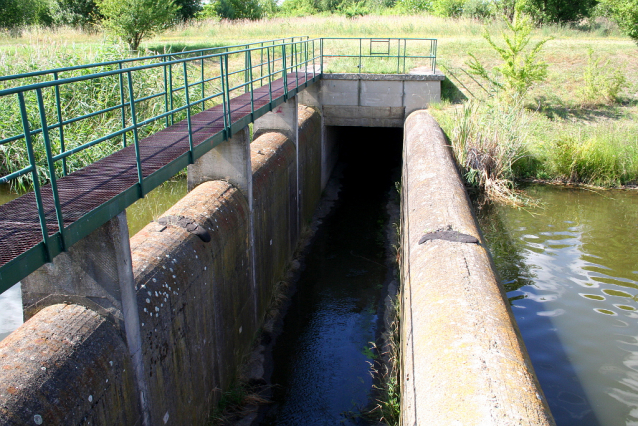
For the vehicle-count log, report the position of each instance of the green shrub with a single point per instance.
(625, 12)
(413, 6)
(16, 13)
(448, 8)
(601, 84)
(298, 8)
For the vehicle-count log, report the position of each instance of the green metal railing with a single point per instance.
(138, 97)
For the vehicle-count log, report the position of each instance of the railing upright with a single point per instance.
(51, 164)
(136, 139)
(224, 106)
(203, 89)
(123, 109)
(166, 107)
(229, 107)
(34, 176)
(285, 71)
(61, 129)
(191, 159)
(252, 92)
(270, 76)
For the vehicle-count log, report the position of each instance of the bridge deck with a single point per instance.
(93, 187)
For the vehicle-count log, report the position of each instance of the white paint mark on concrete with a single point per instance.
(90, 398)
(37, 419)
(166, 418)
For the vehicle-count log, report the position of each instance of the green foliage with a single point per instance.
(413, 6)
(559, 10)
(601, 86)
(448, 8)
(600, 157)
(354, 9)
(519, 70)
(298, 8)
(133, 20)
(16, 13)
(237, 9)
(187, 9)
(625, 13)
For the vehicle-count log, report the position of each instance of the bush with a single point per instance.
(413, 6)
(448, 8)
(601, 85)
(298, 8)
(625, 13)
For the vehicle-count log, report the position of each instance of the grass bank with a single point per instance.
(567, 134)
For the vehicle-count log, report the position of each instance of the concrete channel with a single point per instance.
(156, 342)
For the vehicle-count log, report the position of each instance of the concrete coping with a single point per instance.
(417, 76)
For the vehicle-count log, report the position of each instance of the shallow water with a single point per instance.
(322, 358)
(571, 273)
(139, 214)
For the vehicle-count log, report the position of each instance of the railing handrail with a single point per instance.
(141, 58)
(299, 56)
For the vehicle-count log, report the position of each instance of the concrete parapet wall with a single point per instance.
(463, 360)
(67, 365)
(274, 209)
(195, 301)
(309, 123)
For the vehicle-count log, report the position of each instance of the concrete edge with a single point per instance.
(385, 77)
(463, 359)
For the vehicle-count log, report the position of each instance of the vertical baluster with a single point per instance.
(60, 128)
(122, 103)
(170, 88)
(225, 107)
(270, 77)
(51, 164)
(166, 108)
(230, 117)
(203, 78)
(285, 70)
(188, 116)
(138, 159)
(34, 176)
(251, 88)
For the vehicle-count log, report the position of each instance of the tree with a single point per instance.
(625, 13)
(15, 13)
(133, 20)
(558, 11)
(77, 12)
(520, 69)
(187, 9)
(237, 9)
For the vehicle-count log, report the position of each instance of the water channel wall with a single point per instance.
(203, 274)
(463, 359)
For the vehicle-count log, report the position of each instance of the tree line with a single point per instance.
(135, 19)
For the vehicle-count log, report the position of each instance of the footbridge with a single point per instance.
(151, 330)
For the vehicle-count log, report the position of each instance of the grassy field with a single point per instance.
(568, 132)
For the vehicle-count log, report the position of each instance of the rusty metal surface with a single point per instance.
(84, 190)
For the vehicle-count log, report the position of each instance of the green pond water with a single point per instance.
(570, 269)
(138, 215)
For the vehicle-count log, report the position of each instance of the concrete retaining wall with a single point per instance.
(199, 306)
(463, 360)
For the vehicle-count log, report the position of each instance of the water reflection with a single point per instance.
(578, 308)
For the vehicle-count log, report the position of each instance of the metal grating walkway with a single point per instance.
(103, 189)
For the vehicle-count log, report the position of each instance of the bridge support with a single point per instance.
(230, 161)
(283, 119)
(95, 273)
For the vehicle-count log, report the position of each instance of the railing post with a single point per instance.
(321, 53)
(270, 77)
(230, 117)
(138, 160)
(224, 105)
(188, 115)
(61, 128)
(165, 90)
(285, 70)
(51, 164)
(203, 89)
(122, 98)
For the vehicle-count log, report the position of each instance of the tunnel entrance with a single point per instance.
(322, 358)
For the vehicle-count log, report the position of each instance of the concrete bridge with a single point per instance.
(151, 330)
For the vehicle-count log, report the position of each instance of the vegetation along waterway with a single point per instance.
(322, 359)
(570, 269)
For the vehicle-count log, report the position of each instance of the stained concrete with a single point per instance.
(67, 366)
(463, 359)
(196, 303)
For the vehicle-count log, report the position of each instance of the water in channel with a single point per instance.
(322, 358)
(570, 270)
(138, 215)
